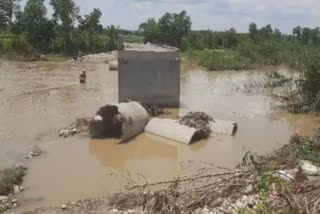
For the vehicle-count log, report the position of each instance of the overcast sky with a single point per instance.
(209, 14)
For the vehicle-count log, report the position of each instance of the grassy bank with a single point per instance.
(247, 56)
(16, 48)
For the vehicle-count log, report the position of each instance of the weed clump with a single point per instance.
(10, 177)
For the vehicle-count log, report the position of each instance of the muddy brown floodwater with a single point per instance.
(37, 99)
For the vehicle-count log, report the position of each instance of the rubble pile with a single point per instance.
(35, 152)
(7, 203)
(101, 57)
(198, 120)
(81, 125)
(153, 110)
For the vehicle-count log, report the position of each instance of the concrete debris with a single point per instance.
(63, 206)
(35, 152)
(7, 203)
(101, 57)
(113, 65)
(223, 127)
(16, 189)
(309, 169)
(200, 121)
(34, 66)
(81, 125)
(123, 120)
(153, 110)
(171, 129)
(286, 175)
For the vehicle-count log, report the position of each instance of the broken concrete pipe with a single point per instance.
(123, 121)
(171, 129)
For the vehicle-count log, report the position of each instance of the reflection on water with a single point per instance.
(141, 148)
(36, 101)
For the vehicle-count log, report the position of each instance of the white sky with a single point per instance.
(208, 14)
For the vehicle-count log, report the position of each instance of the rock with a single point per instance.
(3, 198)
(14, 201)
(285, 175)
(98, 118)
(63, 206)
(36, 151)
(114, 211)
(309, 169)
(21, 188)
(251, 201)
(249, 189)
(16, 189)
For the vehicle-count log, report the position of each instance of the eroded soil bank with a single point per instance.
(38, 99)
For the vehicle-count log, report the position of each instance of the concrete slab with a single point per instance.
(224, 127)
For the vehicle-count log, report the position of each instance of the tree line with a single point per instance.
(66, 32)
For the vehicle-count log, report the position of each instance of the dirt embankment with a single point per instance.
(286, 181)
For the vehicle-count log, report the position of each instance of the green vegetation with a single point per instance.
(28, 32)
(10, 177)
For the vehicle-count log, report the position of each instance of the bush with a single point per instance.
(15, 47)
(10, 177)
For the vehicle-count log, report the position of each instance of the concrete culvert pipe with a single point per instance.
(172, 130)
(123, 121)
(113, 65)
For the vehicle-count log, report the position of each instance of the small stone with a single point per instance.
(36, 151)
(287, 176)
(251, 201)
(14, 200)
(239, 204)
(309, 169)
(98, 118)
(73, 203)
(114, 211)
(3, 198)
(14, 205)
(21, 188)
(16, 189)
(63, 206)
(249, 189)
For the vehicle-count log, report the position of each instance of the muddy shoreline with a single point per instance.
(285, 181)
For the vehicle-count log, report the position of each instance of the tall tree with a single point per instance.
(64, 16)
(230, 39)
(266, 31)
(65, 12)
(91, 22)
(170, 29)
(37, 28)
(253, 32)
(8, 8)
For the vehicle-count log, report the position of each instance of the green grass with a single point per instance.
(218, 60)
(309, 152)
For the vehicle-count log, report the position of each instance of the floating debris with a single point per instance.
(81, 125)
(200, 121)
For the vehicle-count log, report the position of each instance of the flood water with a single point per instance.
(38, 99)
